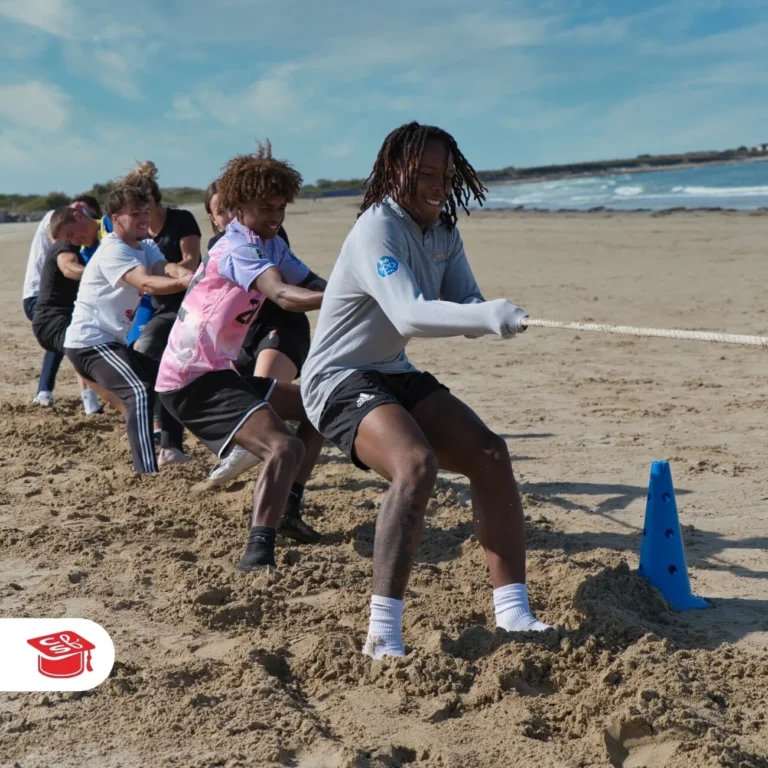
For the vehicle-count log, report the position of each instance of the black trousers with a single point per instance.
(131, 377)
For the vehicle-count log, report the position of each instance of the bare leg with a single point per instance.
(464, 444)
(286, 400)
(281, 452)
(391, 443)
(103, 393)
(273, 364)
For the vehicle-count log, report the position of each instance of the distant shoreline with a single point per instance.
(616, 170)
(567, 172)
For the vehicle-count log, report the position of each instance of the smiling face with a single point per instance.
(131, 222)
(264, 216)
(80, 232)
(433, 184)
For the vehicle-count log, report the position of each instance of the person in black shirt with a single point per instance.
(59, 281)
(177, 235)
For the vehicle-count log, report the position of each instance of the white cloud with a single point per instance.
(36, 105)
(51, 16)
(339, 149)
(184, 108)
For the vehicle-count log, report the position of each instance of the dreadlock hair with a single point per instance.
(144, 176)
(396, 168)
(259, 175)
(124, 195)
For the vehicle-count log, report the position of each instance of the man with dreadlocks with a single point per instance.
(240, 418)
(402, 272)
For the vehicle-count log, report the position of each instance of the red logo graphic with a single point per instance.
(64, 654)
(130, 314)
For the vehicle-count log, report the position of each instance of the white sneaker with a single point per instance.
(91, 402)
(170, 456)
(235, 464)
(46, 399)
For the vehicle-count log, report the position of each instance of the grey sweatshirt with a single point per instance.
(392, 282)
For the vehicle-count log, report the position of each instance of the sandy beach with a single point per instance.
(215, 668)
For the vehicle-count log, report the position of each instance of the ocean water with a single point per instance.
(742, 186)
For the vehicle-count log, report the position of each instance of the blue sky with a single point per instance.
(87, 86)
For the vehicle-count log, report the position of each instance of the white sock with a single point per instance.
(385, 629)
(90, 401)
(512, 610)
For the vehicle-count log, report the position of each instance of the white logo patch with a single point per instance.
(363, 399)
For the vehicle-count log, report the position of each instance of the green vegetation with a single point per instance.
(22, 204)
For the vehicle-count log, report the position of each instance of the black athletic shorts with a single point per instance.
(292, 340)
(360, 393)
(214, 406)
(50, 334)
(154, 335)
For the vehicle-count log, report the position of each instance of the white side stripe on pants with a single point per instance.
(142, 410)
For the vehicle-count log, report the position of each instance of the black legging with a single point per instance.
(151, 344)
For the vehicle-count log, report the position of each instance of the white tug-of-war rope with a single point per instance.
(665, 333)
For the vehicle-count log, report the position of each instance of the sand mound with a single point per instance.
(219, 669)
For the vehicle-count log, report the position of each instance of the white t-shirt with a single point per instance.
(106, 304)
(40, 245)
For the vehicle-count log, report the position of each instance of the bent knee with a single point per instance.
(489, 455)
(495, 447)
(417, 470)
(287, 448)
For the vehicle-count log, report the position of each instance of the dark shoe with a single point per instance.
(292, 525)
(259, 551)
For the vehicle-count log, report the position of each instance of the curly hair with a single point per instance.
(144, 176)
(259, 175)
(396, 168)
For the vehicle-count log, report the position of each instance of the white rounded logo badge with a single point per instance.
(54, 654)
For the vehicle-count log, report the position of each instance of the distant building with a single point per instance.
(760, 148)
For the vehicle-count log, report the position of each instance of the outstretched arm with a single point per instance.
(166, 269)
(459, 284)
(392, 284)
(289, 297)
(157, 284)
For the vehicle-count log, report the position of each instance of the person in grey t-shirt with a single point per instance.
(402, 272)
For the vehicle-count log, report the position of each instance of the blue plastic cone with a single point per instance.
(662, 558)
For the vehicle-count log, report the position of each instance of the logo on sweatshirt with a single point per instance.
(387, 265)
(256, 252)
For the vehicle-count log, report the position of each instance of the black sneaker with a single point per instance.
(292, 525)
(259, 551)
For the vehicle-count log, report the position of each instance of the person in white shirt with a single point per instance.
(125, 266)
(84, 206)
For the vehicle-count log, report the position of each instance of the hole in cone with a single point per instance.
(672, 569)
